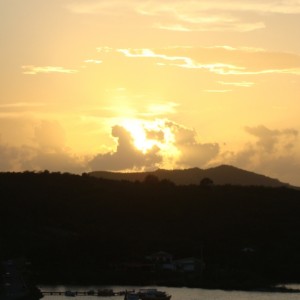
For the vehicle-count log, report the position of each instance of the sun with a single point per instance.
(138, 130)
(149, 134)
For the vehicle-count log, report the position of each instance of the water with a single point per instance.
(177, 294)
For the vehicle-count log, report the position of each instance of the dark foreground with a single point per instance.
(83, 230)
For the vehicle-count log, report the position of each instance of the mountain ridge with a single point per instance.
(220, 175)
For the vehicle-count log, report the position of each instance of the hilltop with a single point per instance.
(221, 175)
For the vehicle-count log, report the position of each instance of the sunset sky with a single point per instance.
(144, 84)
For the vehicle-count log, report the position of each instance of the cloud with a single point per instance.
(44, 149)
(221, 60)
(158, 109)
(61, 161)
(269, 140)
(193, 153)
(49, 135)
(25, 157)
(203, 21)
(291, 71)
(217, 91)
(183, 61)
(93, 61)
(238, 84)
(175, 146)
(91, 7)
(33, 70)
(273, 153)
(207, 26)
(10, 157)
(21, 105)
(126, 156)
(19, 109)
(190, 15)
(156, 7)
(189, 7)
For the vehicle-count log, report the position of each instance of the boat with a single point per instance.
(90, 293)
(16, 283)
(153, 294)
(70, 294)
(131, 296)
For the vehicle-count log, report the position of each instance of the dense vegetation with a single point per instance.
(80, 229)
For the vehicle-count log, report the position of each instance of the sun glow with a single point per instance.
(138, 134)
(149, 134)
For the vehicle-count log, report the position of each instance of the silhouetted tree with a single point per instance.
(167, 182)
(206, 182)
(151, 179)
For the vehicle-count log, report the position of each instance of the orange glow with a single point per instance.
(184, 78)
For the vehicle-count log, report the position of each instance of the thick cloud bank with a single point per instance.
(190, 153)
(273, 153)
(193, 153)
(46, 150)
(126, 155)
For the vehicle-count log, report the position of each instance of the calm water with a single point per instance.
(177, 294)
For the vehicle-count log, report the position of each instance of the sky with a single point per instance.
(138, 85)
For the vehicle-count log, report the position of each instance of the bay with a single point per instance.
(177, 293)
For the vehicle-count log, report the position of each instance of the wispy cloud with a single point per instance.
(193, 7)
(207, 26)
(21, 105)
(159, 109)
(93, 61)
(191, 15)
(220, 60)
(238, 84)
(178, 20)
(154, 7)
(291, 71)
(33, 70)
(217, 91)
(183, 61)
(111, 7)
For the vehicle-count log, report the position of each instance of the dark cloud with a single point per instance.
(126, 155)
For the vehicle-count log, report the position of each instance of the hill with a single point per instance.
(85, 230)
(221, 175)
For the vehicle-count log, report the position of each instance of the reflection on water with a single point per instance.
(177, 293)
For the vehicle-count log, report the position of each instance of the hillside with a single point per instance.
(84, 230)
(220, 175)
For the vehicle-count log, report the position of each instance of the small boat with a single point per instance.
(153, 294)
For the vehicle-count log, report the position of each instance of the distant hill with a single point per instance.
(220, 175)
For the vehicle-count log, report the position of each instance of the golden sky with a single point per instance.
(146, 84)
